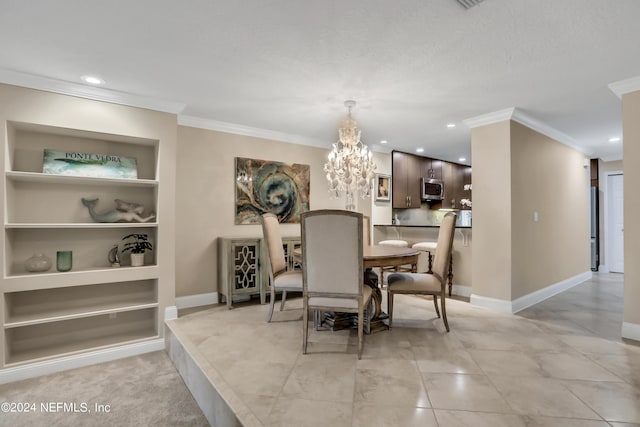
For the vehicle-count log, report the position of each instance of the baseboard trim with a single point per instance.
(495, 304)
(461, 290)
(528, 300)
(37, 369)
(197, 300)
(170, 312)
(540, 295)
(631, 331)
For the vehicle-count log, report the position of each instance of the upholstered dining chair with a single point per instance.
(366, 230)
(332, 267)
(424, 283)
(280, 279)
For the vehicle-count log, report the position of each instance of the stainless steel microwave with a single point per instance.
(431, 189)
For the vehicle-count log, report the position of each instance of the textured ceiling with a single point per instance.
(284, 65)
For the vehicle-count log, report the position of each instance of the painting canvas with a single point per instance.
(264, 186)
(89, 164)
(383, 187)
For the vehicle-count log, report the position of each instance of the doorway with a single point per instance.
(614, 223)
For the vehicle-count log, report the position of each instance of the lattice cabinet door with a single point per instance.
(239, 267)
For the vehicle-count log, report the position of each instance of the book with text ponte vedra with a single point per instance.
(89, 164)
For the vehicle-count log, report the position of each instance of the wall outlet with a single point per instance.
(535, 216)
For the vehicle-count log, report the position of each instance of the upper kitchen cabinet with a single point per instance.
(406, 170)
(455, 177)
(466, 180)
(431, 168)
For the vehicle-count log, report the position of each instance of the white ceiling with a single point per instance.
(287, 66)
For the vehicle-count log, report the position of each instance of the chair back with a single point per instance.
(332, 253)
(445, 245)
(366, 231)
(275, 251)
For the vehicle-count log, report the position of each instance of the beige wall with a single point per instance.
(491, 245)
(549, 178)
(206, 193)
(603, 168)
(631, 155)
(516, 172)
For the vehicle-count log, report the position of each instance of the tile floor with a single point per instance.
(559, 363)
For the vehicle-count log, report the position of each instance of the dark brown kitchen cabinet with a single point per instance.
(431, 168)
(466, 180)
(406, 171)
(454, 177)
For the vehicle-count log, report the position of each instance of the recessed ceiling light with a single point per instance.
(419, 150)
(462, 159)
(383, 141)
(92, 80)
(451, 125)
(614, 139)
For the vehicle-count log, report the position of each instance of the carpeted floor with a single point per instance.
(143, 390)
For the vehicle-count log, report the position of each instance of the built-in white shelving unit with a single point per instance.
(94, 306)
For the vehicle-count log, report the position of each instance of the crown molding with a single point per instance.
(489, 118)
(545, 129)
(625, 86)
(89, 92)
(517, 115)
(201, 123)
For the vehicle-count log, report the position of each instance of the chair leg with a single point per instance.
(305, 325)
(450, 275)
(284, 297)
(390, 306)
(360, 329)
(272, 302)
(435, 304)
(444, 311)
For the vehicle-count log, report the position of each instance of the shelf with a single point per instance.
(55, 339)
(86, 345)
(81, 347)
(97, 310)
(32, 307)
(69, 179)
(49, 315)
(92, 276)
(81, 225)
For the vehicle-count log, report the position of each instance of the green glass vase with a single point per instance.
(64, 260)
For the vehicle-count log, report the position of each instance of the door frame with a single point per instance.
(607, 235)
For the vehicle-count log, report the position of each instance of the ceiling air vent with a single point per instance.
(467, 4)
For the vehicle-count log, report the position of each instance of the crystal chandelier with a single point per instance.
(350, 167)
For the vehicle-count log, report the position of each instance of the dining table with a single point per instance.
(373, 256)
